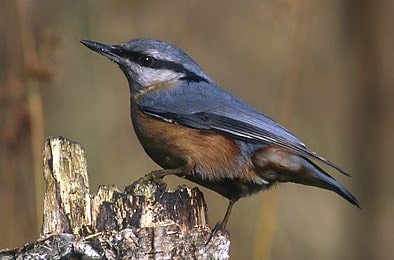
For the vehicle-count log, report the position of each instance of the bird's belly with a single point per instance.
(211, 155)
(232, 189)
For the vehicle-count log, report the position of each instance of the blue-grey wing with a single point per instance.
(206, 106)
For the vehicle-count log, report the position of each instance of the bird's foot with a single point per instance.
(149, 178)
(216, 228)
(154, 177)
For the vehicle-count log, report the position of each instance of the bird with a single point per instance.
(193, 128)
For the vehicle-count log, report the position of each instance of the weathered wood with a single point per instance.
(146, 221)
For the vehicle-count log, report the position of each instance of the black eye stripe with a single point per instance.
(142, 59)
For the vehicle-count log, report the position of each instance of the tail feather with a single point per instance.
(319, 178)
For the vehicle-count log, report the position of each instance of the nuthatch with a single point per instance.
(193, 128)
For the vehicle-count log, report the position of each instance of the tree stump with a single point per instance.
(146, 221)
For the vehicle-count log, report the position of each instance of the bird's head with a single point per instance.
(147, 62)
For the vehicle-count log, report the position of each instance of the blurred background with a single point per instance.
(324, 69)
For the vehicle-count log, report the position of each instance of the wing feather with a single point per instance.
(238, 130)
(207, 106)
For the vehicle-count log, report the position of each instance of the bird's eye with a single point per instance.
(146, 60)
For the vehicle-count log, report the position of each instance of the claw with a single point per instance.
(221, 225)
(217, 227)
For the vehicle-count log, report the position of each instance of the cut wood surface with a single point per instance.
(146, 221)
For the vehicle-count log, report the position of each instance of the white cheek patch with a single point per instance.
(150, 76)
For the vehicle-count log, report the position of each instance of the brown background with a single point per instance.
(324, 69)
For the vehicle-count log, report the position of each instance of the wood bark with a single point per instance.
(146, 221)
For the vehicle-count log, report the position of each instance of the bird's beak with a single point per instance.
(110, 51)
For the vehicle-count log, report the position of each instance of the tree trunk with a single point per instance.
(146, 221)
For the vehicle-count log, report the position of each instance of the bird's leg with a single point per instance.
(221, 225)
(154, 175)
(159, 174)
